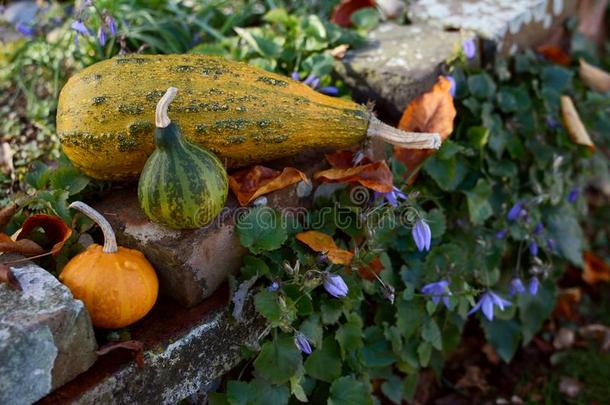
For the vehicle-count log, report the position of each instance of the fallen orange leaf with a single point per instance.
(595, 270)
(371, 269)
(576, 129)
(376, 176)
(430, 112)
(323, 243)
(251, 183)
(555, 54)
(55, 230)
(566, 303)
(342, 15)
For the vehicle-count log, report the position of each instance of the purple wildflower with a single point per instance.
(314, 82)
(516, 287)
(391, 197)
(335, 286)
(550, 243)
(111, 24)
(515, 211)
(438, 290)
(538, 228)
(273, 286)
(552, 122)
(533, 248)
(301, 342)
(533, 286)
(486, 303)
(329, 90)
(470, 48)
(452, 86)
(421, 235)
(501, 234)
(573, 195)
(80, 28)
(25, 30)
(101, 36)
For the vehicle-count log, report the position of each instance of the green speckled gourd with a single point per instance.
(241, 113)
(182, 185)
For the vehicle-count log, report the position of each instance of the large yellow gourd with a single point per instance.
(105, 117)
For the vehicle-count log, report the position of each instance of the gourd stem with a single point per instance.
(109, 237)
(408, 140)
(161, 118)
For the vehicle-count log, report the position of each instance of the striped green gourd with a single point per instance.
(182, 185)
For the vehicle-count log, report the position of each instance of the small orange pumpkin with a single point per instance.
(117, 285)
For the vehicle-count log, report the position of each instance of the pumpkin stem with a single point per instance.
(109, 237)
(408, 140)
(161, 118)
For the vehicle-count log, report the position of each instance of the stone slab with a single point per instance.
(510, 24)
(185, 351)
(46, 337)
(191, 264)
(398, 64)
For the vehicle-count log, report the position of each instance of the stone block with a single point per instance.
(185, 352)
(398, 64)
(510, 24)
(192, 264)
(46, 337)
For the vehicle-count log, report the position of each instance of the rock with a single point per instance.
(191, 264)
(46, 337)
(185, 352)
(398, 64)
(511, 25)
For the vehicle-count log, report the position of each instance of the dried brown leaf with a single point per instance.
(7, 276)
(431, 112)
(24, 247)
(56, 231)
(6, 214)
(594, 77)
(249, 184)
(576, 129)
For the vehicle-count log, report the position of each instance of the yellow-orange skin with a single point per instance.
(117, 289)
(245, 115)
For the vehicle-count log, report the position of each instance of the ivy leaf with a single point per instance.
(503, 335)
(69, 178)
(377, 351)
(447, 173)
(563, 227)
(324, 364)
(392, 388)
(481, 86)
(260, 229)
(424, 352)
(278, 360)
(349, 391)
(331, 310)
(266, 303)
(238, 392)
(534, 310)
(479, 207)
(312, 328)
(431, 333)
(349, 335)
